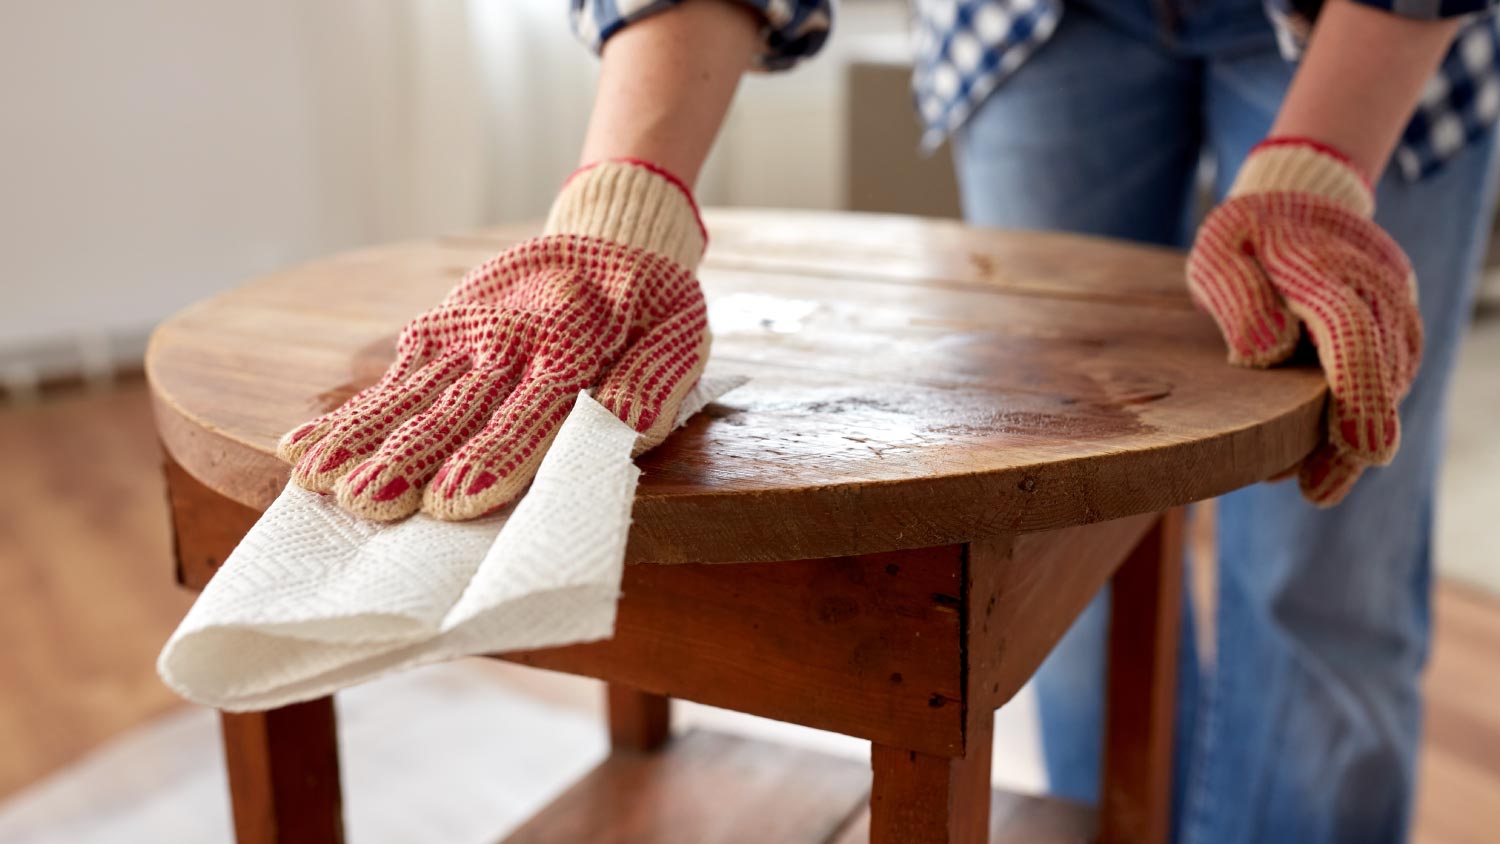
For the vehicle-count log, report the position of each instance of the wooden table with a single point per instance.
(952, 439)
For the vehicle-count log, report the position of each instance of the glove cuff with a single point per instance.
(633, 202)
(1302, 165)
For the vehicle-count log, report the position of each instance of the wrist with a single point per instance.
(633, 202)
(1284, 164)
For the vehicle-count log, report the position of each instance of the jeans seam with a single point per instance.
(1197, 803)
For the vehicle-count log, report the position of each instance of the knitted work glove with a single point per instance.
(606, 299)
(1294, 247)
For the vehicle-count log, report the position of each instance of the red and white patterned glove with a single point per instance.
(605, 299)
(1293, 247)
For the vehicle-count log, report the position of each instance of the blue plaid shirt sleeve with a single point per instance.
(964, 49)
(794, 30)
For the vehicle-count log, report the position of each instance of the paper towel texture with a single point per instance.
(315, 599)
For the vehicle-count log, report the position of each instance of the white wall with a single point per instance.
(156, 151)
(152, 152)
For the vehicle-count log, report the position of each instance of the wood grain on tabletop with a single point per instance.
(914, 383)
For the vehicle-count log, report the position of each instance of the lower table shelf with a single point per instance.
(711, 788)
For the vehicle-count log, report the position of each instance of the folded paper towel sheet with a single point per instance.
(314, 599)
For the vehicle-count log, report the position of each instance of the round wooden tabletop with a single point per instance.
(913, 383)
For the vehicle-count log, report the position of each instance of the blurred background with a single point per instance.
(158, 152)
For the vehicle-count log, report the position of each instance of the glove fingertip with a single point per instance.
(1374, 437)
(296, 442)
(379, 492)
(484, 494)
(1264, 352)
(1256, 325)
(1328, 475)
(463, 490)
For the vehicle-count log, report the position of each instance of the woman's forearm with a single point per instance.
(666, 83)
(1360, 80)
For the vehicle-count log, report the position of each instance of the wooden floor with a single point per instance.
(1458, 798)
(86, 601)
(86, 592)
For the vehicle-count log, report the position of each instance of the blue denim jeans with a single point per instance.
(1305, 726)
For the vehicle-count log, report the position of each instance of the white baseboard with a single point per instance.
(91, 358)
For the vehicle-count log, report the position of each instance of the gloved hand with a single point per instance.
(1293, 247)
(606, 299)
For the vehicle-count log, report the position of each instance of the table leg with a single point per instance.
(284, 774)
(1145, 606)
(638, 721)
(918, 798)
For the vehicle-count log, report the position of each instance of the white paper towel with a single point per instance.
(314, 599)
